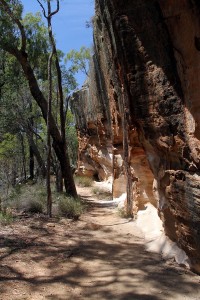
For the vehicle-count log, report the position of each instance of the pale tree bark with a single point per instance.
(48, 179)
(49, 194)
(31, 152)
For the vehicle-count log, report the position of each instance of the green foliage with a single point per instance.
(31, 198)
(37, 43)
(83, 181)
(79, 60)
(20, 116)
(15, 192)
(8, 146)
(70, 207)
(22, 124)
(28, 197)
(9, 31)
(68, 80)
(6, 218)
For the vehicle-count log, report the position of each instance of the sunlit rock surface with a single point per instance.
(138, 118)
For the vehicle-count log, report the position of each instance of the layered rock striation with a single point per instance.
(139, 117)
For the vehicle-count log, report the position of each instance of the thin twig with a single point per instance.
(43, 9)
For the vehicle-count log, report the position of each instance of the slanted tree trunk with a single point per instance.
(58, 144)
(59, 180)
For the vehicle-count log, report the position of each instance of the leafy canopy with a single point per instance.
(79, 60)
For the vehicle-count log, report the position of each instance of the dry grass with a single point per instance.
(70, 207)
(83, 181)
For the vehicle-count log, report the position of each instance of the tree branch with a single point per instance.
(43, 9)
(55, 11)
(50, 14)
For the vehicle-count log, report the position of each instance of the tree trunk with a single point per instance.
(68, 177)
(58, 145)
(31, 162)
(23, 156)
(59, 180)
(31, 152)
(38, 157)
(49, 196)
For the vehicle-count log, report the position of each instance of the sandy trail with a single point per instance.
(101, 256)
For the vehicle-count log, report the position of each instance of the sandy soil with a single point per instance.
(101, 256)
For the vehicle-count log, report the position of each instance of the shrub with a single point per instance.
(5, 218)
(32, 198)
(83, 181)
(70, 207)
(123, 213)
(34, 206)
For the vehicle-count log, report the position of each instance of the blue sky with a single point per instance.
(69, 25)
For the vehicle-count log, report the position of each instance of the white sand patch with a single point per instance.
(120, 201)
(150, 224)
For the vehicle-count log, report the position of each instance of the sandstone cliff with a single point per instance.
(139, 117)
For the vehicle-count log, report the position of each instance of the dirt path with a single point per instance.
(101, 256)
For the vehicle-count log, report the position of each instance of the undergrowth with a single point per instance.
(28, 198)
(32, 198)
(5, 218)
(70, 207)
(123, 213)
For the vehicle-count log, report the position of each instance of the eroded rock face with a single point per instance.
(95, 148)
(146, 99)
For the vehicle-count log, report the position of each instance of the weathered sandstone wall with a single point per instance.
(145, 118)
(92, 123)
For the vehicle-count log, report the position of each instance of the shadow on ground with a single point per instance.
(66, 261)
